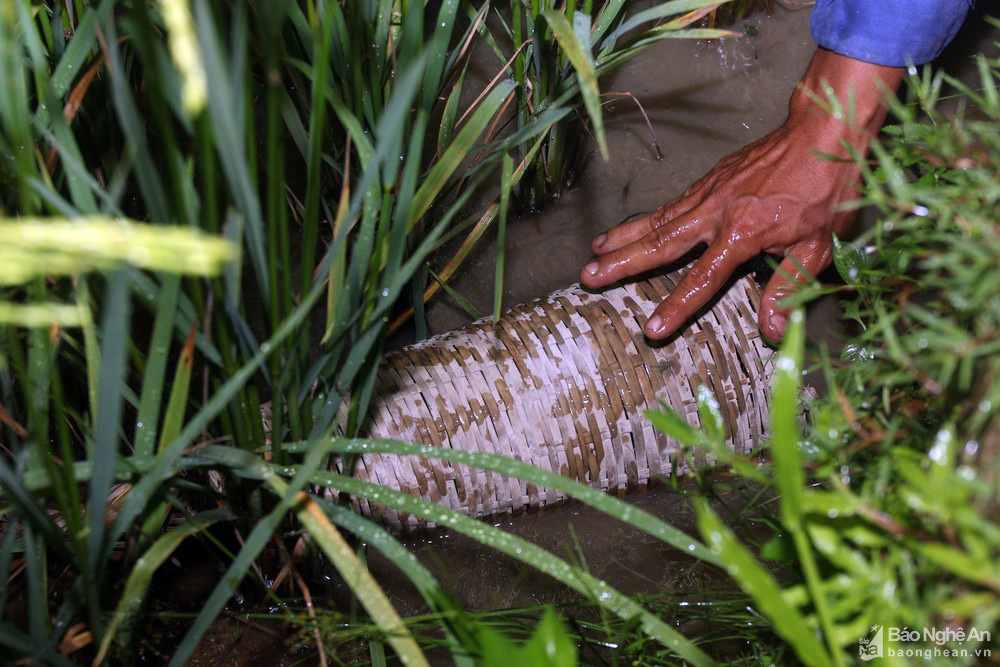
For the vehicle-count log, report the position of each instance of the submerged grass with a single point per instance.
(736, 633)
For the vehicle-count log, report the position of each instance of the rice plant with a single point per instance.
(214, 207)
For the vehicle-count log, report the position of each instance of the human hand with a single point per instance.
(775, 195)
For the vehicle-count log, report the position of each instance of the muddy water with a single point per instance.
(628, 559)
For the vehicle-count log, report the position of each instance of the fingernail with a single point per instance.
(600, 239)
(654, 324)
(778, 324)
(591, 268)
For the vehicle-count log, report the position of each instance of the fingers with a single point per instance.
(631, 231)
(803, 262)
(660, 246)
(698, 286)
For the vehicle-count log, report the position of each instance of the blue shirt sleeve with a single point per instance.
(888, 32)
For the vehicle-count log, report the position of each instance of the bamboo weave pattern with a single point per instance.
(561, 383)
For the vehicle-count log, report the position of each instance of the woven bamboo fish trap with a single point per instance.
(561, 382)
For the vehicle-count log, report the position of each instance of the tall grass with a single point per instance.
(217, 206)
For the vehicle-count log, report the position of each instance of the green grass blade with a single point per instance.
(613, 507)
(784, 422)
(506, 181)
(173, 418)
(156, 365)
(757, 583)
(569, 38)
(437, 50)
(83, 188)
(36, 584)
(693, 33)
(528, 553)
(672, 424)
(317, 130)
(91, 345)
(139, 579)
(380, 43)
(789, 473)
(975, 568)
(404, 191)
(475, 23)
(133, 126)
(450, 111)
(354, 573)
(607, 16)
(114, 327)
(7, 544)
(462, 302)
(671, 8)
(229, 129)
(710, 416)
(468, 136)
(609, 59)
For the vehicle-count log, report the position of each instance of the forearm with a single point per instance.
(845, 77)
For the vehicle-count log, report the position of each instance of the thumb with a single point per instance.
(803, 262)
